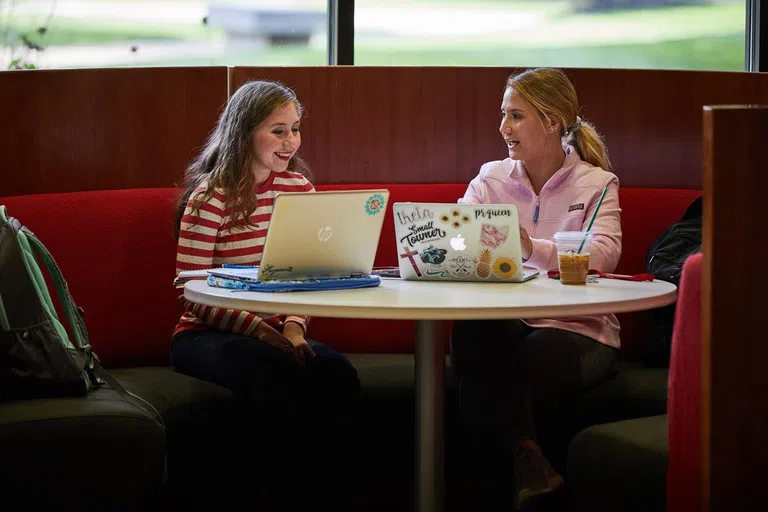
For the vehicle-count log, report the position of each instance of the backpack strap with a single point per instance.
(38, 281)
(79, 332)
(127, 395)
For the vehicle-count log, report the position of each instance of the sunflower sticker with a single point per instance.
(504, 268)
(374, 204)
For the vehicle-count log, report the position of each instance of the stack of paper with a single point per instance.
(189, 275)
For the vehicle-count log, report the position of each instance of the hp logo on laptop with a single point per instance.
(324, 234)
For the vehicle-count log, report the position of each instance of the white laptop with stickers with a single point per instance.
(459, 242)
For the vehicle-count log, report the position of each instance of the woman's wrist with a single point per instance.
(293, 328)
(526, 250)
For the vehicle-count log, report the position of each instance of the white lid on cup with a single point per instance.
(570, 236)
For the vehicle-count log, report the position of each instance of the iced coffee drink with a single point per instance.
(573, 256)
(573, 267)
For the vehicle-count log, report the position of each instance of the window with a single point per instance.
(678, 34)
(107, 33)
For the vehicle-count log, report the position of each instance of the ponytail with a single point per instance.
(589, 145)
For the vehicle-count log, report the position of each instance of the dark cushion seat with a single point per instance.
(98, 447)
(619, 466)
(200, 419)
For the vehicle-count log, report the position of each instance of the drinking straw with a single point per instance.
(592, 220)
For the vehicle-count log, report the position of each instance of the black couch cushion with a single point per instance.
(619, 466)
(98, 447)
(201, 421)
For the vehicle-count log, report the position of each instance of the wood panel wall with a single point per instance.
(424, 124)
(735, 343)
(65, 130)
(97, 129)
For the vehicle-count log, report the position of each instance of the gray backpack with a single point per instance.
(38, 358)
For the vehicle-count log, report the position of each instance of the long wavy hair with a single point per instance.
(224, 161)
(552, 94)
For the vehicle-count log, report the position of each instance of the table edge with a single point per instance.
(431, 313)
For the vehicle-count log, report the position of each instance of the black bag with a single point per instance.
(665, 260)
(39, 357)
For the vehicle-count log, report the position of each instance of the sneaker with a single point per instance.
(534, 475)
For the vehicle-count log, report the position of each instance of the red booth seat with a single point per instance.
(117, 251)
(684, 398)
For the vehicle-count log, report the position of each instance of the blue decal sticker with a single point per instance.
(374, 204)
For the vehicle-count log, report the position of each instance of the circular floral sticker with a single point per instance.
(504, 268)
(374, 204)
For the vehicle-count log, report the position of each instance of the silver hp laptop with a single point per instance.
(459, 242)
(327, 234)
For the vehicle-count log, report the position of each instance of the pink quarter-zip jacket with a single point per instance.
(565, 203)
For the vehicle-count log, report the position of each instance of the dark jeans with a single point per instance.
(512, 376)
(298, 424)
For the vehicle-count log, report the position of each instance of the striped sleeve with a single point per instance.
(302, 320)
(197, 240)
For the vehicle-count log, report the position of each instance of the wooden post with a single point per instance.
(735, 281)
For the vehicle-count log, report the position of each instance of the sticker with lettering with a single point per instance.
(375, 204)
(504, 268)
(455, 218)
(490, 213)
(433, 255)
(270, 270)
(437, 273)
(460, 266)
(493, 236)
(417, 215)
(424, 233)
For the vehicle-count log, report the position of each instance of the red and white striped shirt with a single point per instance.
(206, 241)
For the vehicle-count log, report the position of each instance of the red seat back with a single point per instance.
(684, 398)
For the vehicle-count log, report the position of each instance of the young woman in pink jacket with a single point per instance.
(514, 374)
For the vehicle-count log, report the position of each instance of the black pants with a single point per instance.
(512, 376)
(298, 426)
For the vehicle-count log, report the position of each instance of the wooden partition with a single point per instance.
(92, 129)
(427, 124)
(735, 350)
(97, 129)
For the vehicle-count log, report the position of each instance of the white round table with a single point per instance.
(429, 302)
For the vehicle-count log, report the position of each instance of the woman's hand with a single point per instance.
(268, 334)
(302, 350)
(526, 246)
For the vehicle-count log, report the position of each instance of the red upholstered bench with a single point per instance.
(685, 415)
(116, 249)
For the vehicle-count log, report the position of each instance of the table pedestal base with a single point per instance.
(430, 413)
